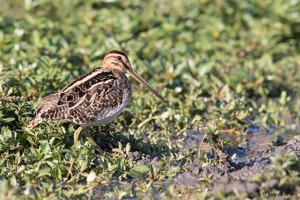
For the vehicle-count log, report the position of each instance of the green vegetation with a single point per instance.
(222, 65)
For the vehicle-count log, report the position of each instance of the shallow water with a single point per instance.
(258, 140)
(254, 140)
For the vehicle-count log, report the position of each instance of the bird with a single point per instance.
(94, 99)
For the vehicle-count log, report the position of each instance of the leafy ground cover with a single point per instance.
(224, 66)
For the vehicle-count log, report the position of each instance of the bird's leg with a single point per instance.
(77, 133)
(91, 140)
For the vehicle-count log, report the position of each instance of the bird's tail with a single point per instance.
(34, 123)
(44, 105)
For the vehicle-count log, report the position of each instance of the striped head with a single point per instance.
(118, 60)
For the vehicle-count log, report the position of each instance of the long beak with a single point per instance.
(142, 81)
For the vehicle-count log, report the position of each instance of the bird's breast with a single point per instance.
(120, 94)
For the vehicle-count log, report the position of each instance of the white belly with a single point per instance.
(101, 119)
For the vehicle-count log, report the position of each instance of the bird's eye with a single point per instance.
(119, 58)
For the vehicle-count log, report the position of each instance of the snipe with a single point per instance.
(94, 99)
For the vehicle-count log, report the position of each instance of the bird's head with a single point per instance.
(118, 60)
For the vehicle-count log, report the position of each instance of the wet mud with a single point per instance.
(232, 176)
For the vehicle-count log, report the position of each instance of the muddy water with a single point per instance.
(253, 141)
(257, 140)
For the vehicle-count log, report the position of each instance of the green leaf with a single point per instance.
(10, 119)
(141, 168)
(140, 176)
(44, 171)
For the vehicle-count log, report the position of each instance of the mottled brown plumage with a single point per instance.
(94, 99)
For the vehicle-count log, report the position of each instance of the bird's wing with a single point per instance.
(94, 94)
